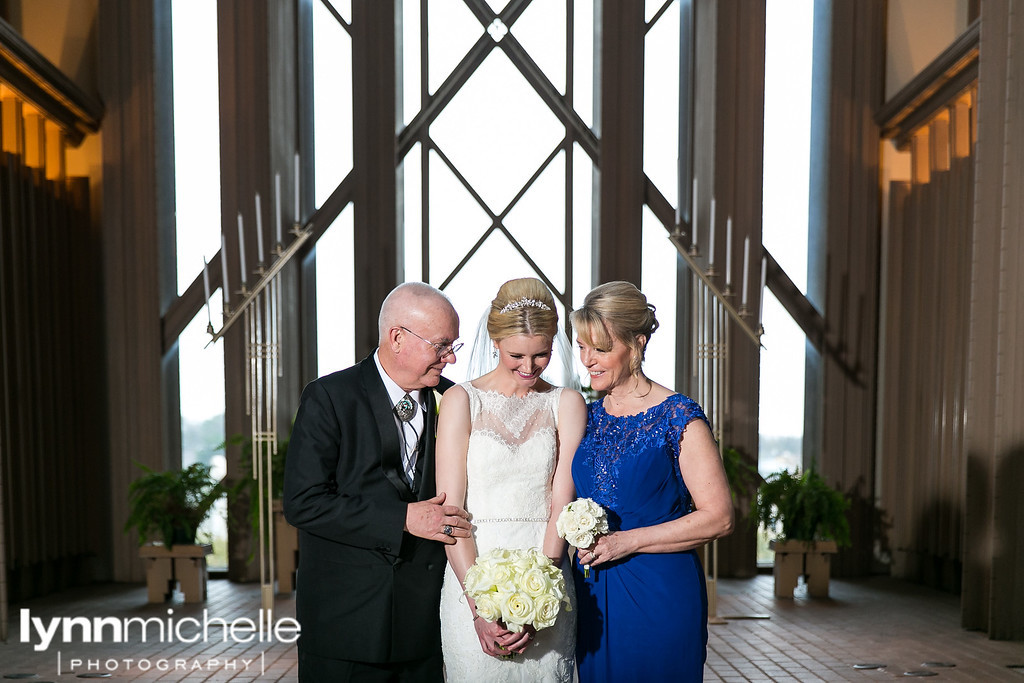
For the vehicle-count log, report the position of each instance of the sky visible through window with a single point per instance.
(786, 167)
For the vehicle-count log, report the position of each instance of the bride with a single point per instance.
(505, 443)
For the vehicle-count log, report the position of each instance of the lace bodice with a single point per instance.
(612, 442)
(510, 464)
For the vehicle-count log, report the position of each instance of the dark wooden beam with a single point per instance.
(374, 156)
(620, 128)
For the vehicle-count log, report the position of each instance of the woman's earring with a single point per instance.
(494, 352)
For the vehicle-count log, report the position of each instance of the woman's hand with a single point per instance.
(498, 641)
(607, 548)
(520, 641)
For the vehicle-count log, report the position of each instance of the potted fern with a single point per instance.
(811, 518)
(169, 506)
(166, 510)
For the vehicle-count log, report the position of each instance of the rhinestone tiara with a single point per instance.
(524, 303)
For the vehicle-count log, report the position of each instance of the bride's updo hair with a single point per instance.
(523, 306)
(616, 310)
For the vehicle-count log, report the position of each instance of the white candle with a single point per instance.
(241, 248)
(296, 187)
(224, 269)
(206, 281)
(693, 217)
(711, 237)
(764, 279)
(746, 267)
(728, 251)
(259, 230)
(277, 205)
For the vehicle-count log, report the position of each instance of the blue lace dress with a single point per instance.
(642, 618)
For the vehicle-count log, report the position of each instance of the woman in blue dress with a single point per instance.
(649, 458)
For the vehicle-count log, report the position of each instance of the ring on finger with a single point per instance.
(447, 530)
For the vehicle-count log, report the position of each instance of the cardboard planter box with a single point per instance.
(181, 564)
(794, 559)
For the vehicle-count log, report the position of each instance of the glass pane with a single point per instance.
(456, 221)
(658, 283)
(411, 177)
(410, 86)
(661, 104)
(582, 224)
(335, 300)
(332, 103)
(451, 31)
(475, 286)
(583, 61)
(538, 222)
(497, 6)
(201, 383)
(196, 136)
(497, 131)
(781, 423)
(787, 126)
(541, 31)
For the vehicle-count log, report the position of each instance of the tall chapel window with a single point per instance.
(787, 108)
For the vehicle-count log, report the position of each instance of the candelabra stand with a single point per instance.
(260, 310)
(712, 317)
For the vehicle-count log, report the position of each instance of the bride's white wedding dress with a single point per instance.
(511, 459)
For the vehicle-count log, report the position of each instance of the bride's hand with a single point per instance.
(521, 640)
(494, 637)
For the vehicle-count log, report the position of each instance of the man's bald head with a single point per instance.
(416, 320)
(410, 299)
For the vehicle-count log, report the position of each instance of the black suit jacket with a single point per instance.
(365, 590)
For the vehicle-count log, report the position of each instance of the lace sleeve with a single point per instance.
(681, 413)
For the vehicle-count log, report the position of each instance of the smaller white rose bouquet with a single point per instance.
(580, 523)
(519, 587)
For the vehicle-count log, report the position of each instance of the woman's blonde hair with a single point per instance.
(522, 306)
(616, 310)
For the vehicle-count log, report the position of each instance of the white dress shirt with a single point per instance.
(409, 432)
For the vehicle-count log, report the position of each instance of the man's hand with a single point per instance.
(435, 521)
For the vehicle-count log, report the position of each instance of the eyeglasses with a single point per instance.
(442, 350)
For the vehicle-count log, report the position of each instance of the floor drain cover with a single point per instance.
(869, 666)
(920, 673)
(21, 675)
(938, 665)
(100, 675)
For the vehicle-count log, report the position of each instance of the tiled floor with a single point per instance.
(872, 621)
(879, 620)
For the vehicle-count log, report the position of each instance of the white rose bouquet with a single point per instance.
(519, 587)
(580, 523)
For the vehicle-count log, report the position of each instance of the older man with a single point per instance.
(359, 486)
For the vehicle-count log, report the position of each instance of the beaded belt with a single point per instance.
(511, 519)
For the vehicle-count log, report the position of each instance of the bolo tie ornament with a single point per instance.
(405, 408)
